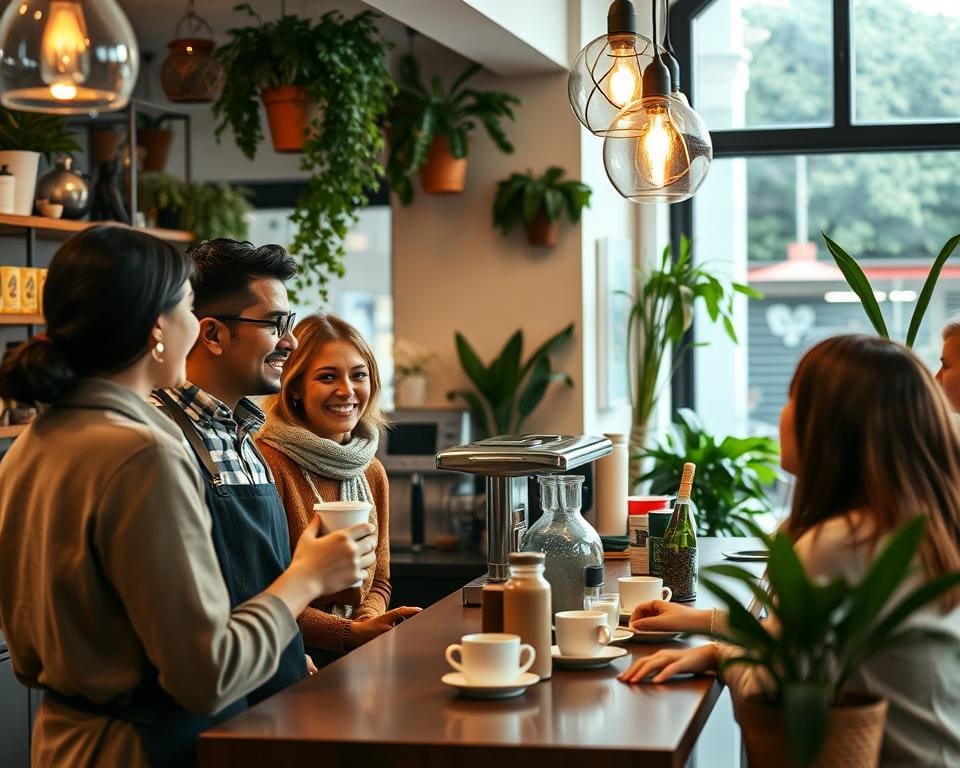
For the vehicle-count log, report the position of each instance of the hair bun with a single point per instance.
(36, 371)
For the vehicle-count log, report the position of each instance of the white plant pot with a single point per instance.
(410, 392)
(23, 166)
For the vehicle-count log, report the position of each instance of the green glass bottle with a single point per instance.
(679, 557)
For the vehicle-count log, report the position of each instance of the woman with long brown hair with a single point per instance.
(320, 440)
(869, 436)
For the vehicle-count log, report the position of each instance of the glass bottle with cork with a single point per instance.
(678, 556)
(526, 607)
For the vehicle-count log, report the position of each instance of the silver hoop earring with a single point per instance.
(157, 351)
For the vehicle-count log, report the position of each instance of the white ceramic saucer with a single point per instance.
(620, 634)
(458, 681)
(646, 636)
(608, 654)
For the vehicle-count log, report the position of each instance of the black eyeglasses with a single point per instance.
(281, 323)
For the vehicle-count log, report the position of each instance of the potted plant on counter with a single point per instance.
(410, 363)
(24, 136)
(806, 711)
(332, 76)
(733, 475)
(430, 128)
(539, 202)
(508, 390)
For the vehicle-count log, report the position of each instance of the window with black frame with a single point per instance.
(828, 116)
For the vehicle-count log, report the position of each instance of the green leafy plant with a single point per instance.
(343, 65)
(508, 390)
(825, 629)
(206, 210)
(658, 321)
(34, 132)
(217, 210)
(860, 285)
(522, 196)
(732, 475)
(418, 115)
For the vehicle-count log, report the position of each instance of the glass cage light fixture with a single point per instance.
(608, 72)
(66, 56)
(657, 149)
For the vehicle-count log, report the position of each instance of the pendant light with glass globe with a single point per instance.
(66, 56)
(656, 148)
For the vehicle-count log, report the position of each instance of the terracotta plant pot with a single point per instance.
(156, 147)
(288, 112)
(442, 173)
(854, 734)
(543, 232)
(103, 146)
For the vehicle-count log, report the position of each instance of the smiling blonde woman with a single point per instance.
(320, 439)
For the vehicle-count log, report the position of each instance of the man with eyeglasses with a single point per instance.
(246, 334)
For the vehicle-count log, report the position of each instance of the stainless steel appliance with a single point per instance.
(418, 492)
(506, 461)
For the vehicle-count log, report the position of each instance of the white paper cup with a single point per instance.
(490, 658)
(582, 633)
(641, 589)
(336, 515)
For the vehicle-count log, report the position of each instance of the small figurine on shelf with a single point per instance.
(107, 196)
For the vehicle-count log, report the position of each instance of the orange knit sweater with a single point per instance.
(320, 628)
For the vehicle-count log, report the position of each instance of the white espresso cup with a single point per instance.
(641, 589)
(582, 633)
(490, 658)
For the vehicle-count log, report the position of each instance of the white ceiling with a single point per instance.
(454, 24)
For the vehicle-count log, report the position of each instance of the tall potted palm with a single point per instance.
(332, 74)
(430, 129)
(658, 322)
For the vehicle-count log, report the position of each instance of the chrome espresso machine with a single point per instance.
(506, 462)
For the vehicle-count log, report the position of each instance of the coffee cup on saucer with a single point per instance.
(582, 633)
(490, 658)
(641, 589)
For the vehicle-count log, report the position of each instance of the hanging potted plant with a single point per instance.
(430, 129)
(24, 136)
(341, 66)
(539, 202)
(806, 713)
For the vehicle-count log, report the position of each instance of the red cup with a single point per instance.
(640, 505)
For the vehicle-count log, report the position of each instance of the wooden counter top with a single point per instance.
(384, 705)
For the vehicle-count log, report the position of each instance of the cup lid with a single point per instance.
(527, 558)
(593, 576)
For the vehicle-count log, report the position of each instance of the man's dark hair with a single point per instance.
(224, 268)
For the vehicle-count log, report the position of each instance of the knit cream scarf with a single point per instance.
(346, 462)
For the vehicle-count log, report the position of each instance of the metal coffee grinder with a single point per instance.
(506, 462)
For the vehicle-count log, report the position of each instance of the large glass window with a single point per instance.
(836, 116)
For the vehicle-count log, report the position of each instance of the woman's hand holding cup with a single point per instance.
(663, 616)
(337, 560)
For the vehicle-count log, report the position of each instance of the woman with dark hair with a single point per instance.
(320, 439)
(870, 440)
(111, 597)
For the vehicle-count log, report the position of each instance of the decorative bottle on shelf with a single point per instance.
(568, 541)
(678, 558)
(526, 608)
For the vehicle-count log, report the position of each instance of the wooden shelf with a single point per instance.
(6, 433)
(12, 319)
(66, 227)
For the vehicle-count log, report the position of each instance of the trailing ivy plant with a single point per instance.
(343, 65)
(419, 115)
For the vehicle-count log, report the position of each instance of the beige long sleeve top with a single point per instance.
(919, 679)
(321, 628)
(106, 563)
